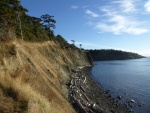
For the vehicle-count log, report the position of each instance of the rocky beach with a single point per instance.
(86, 97)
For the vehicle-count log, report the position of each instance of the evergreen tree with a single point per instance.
(48, 23)
(80, 46)
(9, 9)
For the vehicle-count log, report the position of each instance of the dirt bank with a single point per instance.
(33, 76)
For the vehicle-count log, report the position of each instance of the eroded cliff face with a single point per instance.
(33, 76)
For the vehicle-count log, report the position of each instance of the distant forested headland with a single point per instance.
(110, 54)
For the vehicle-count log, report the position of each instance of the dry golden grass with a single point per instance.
(33, 79)
(23, 92)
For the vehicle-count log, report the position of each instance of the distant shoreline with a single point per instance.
(110, 54)
(118, 59)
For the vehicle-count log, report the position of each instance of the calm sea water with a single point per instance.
(127, 78)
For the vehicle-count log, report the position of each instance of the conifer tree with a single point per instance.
(48, 23)
(9, 9)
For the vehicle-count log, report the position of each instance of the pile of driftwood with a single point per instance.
(78, 95)
(86, 97)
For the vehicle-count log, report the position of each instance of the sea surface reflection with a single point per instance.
(127, 78)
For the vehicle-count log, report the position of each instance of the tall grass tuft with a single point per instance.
(36, 103)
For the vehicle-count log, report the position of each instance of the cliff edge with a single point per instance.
(33, 76)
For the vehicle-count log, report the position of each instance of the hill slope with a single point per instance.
(112, 55)
(33, 76)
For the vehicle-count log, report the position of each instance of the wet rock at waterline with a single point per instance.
(86, 97)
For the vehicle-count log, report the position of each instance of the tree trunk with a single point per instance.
(20, 25)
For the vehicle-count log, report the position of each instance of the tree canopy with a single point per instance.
(14, 22)
(8, 17)
(48, 22)
(110, 54)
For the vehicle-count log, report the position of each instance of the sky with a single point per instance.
(99, 24)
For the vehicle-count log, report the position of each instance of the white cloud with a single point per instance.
(74, 7)
(126, 5)
(91, 13)
(147, 6)
(136, 31)
(122, 19)
(118, 24)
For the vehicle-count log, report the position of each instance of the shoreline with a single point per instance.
(86, 96)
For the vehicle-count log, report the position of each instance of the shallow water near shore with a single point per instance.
(129, 79)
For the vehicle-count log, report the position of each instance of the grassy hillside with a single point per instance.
(33, 76)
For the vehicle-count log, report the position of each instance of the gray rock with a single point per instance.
(119, 97)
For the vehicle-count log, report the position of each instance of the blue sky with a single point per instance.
(99, 24)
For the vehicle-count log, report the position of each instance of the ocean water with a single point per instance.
(127, 78)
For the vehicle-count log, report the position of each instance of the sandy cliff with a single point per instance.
(33, 76)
